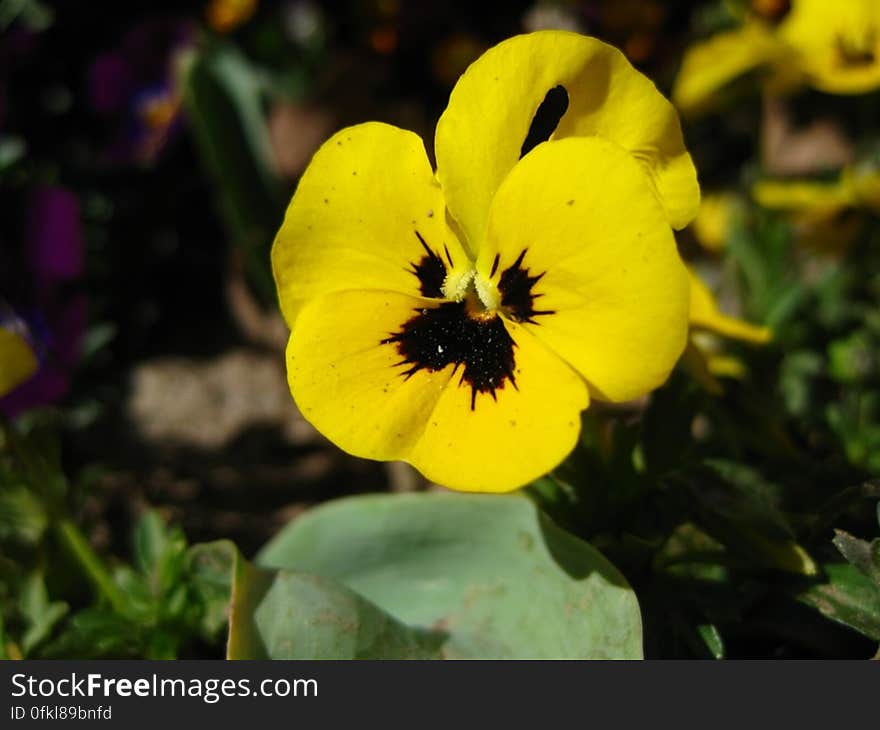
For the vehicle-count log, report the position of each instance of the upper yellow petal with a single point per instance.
(481, 133)
(613, 288)
(356, 217)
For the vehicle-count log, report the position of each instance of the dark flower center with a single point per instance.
(464, 334)
(448, 335)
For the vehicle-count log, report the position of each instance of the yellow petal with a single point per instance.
(864, 182)
(838, 43)
(715, 219)
(611, 278)
(801, 194)
(355, 220)
(17, 360)
(710, 65)
(705, 315)
(347, 380)
(481, 133)
(502, 445)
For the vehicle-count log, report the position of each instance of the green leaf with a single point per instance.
(289, 615)
(712, 638)
(223, 95)
(491, 573)
(40, 613)
(210, 567)
(865, 556)
(849, 597)
(96, 633)
(853, 358)
(23, 516)
(745, 497)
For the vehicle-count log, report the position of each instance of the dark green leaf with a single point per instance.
(849, 597)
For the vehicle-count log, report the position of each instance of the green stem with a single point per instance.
(91, 564)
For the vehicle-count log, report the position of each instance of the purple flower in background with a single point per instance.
(134, 88)
(56, 317)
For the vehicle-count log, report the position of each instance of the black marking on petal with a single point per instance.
(546, 119)
(430, 271)
(495, 265)
(517, 298)
(855, 55)
(448, 257)
(447, 335)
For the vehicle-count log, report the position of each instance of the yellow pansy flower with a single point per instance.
(461, 321)
(711, 65)
(17, 360)
(831, 46)
(837, 43)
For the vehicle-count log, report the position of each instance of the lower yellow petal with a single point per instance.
(347, 383)
(705, 315)
(612, 297)
(17, 360)
(505, 443)
(348, 379)
(802, 195)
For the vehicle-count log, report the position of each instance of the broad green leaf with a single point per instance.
(289, 615)
(491, 573)
(849, 597)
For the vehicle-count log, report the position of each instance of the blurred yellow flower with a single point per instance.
(837, 43)
(225, 16)
(17, 360)
(462, 320)
(821, 210)
(715, 218)
(831, 46)
(709, 66)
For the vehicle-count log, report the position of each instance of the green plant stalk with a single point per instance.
(78, 547)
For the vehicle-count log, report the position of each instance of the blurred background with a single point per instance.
(147, 154)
